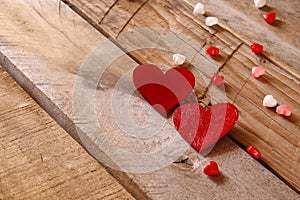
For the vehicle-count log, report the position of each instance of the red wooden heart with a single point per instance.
(201, 128)
(163, 91)
(211, 168)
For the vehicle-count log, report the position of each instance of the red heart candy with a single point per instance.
(253, 151)
(163, 91)
(211, 168)
(201, 128)
(217, 79)
(257, 48)
(212, 51)
(270, 17)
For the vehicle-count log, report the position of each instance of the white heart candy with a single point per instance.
(269, 101)
(199, 9)
(260, 3)
(210, 21)
(179, 59)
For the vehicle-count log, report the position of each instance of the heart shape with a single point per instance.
(260, 3)
(270, 17)
(253, 151)
(217, 79)
(257, 48)
(258, 71)
(199, 9)
(202, 128)
(269, 101)
(179, 59)
(284, 110)
(211, 168)
(163, 91)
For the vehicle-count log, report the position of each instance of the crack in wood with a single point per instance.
(108, 10)
(131, 17)
(204, 94)
(240, 90)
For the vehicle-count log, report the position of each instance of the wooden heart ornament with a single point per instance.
(163, 91)
(202, 128)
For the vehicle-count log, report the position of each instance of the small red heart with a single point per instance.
(201, 128)
(217, 79)
(211, 168)
(163, 91)
(212, 51)
(253, 151)
(270, 17)
(257, 48)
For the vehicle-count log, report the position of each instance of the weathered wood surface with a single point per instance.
(39, 160)
(281, 40)
(44, 55)
(277, 137)
(241, 18)
(177, 17)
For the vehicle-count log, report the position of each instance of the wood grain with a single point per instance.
(276, 136)
(170, 18)
(178, 18)
(44, 53)
(39, 160)
(281, 40)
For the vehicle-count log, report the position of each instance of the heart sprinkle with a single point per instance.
(269, 101)
(211, 169)
(284, 110)
(217, 79)
(260, 3)
(253, 151)
(257, 48)
(270, 17)
(179, 59)
(199, 9)
(212, 51)
(210, 21)
(258, 71)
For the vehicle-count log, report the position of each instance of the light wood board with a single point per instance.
(39, 160)
(48, 44)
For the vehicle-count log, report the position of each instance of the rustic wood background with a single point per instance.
(42, 45)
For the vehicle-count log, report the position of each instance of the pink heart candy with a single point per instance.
(284, 110)
(258, 71)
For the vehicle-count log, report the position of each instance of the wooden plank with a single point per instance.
(277, 137)
(281, 40)
(174, 19)
(44, 54)
(39, 160)
(98, 9)
(178, 17)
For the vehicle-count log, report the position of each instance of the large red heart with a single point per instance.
(202, 128)
(163, 91)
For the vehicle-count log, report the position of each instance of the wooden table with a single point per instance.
(43, 45)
